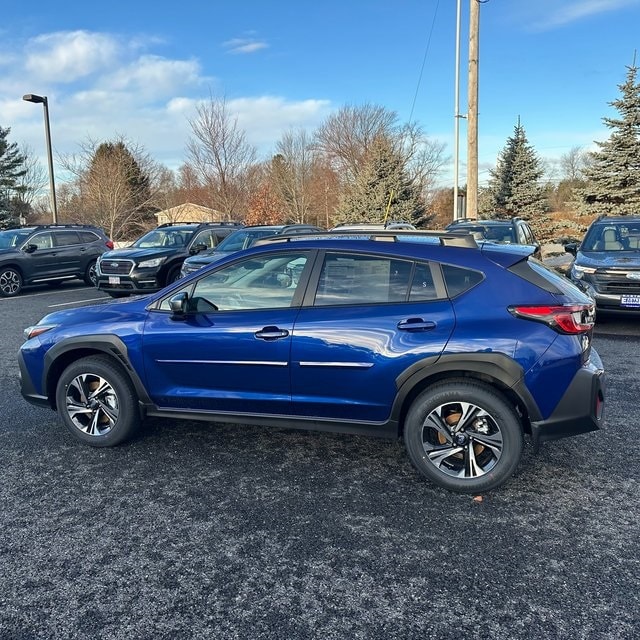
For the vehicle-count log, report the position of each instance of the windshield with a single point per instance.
(170, 237)
(243, 239)
(13, 237)
(623, 236)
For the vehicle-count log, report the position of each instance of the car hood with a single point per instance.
(8, 251)
(609, 259)
(134, 253)
(203, 260)
(110, 312)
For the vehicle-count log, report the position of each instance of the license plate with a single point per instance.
(630, 301)
(114, 279)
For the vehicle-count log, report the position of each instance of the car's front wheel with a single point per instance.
(10, 282)
(90, 276)
(464, 436)
(97, 402)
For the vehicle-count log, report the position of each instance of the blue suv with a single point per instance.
(461, 350)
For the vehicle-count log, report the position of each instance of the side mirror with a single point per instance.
(30, 248)
(179, 305)
(571, 247)
(197, 248)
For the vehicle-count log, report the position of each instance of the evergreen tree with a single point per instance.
(613, 178)
(11, 169)
(515, 187)
(382, 184)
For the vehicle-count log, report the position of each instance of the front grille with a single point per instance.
(616, 282)
(116, 267)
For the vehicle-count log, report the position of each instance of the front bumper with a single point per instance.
(27, 388)
(581, 408)
(136, 282)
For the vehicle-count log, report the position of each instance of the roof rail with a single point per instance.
(231, 223)
(447, 238)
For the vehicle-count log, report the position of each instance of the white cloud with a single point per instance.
(244, 45)
(64, 57)
(559, 14)
(101, 86)
(265, 118)
(153, 76)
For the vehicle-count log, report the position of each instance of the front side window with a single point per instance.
(356, 279)
(208, 237)
(42, 241)
(260, 282)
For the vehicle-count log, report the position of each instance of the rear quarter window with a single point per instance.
(459, 279)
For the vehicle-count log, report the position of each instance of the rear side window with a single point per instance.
(459, 279)
(356, 279)
(88, 236)
(422, 285)
(66, 238)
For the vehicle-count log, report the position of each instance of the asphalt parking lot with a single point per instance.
(217, 531)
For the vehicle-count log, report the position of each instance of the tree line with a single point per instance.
(361, 164)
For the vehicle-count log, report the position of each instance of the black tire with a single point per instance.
(90, 277)
(10, 282)
(172, 276)
(97, 402)
(463, 436)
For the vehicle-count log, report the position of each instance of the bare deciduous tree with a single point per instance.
(346, 136)
(292, 174)
(221, 155)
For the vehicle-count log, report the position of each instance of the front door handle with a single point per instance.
(271, 333)
(416, 324)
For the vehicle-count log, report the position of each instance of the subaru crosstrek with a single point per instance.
(607, 263)
(155, 259)
(461, 350)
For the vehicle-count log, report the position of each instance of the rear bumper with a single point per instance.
(581, 408)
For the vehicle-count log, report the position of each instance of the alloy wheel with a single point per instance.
(462, 440)
(92, 404)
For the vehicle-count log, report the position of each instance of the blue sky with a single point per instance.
(138, 68)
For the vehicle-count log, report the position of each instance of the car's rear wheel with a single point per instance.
(10, 282)
(463, 436)
(97, 402)
(90, 276)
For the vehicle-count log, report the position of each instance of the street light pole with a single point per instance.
(31, 97)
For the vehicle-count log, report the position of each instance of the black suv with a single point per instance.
(243, 239)
(607, 263)
(49, 254)
(154, 260)
(512, 231)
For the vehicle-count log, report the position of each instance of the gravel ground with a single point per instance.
(217, 531)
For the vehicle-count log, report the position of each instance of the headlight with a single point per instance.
(579, 271)
(36, 330)
(156, 262)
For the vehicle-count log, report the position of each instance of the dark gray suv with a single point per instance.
(49, 254)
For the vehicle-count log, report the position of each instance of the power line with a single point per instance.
(424, 61)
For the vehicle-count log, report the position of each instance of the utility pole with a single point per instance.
(472, 111)
(456, 116)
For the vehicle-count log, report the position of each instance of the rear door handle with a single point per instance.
(416, 324)
(271, 333)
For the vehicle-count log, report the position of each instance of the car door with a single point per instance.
(368, 321)
(41, 257)
(69, 251)
(230, 351)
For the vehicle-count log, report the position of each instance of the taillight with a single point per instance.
(569, 318)
(109, 244)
